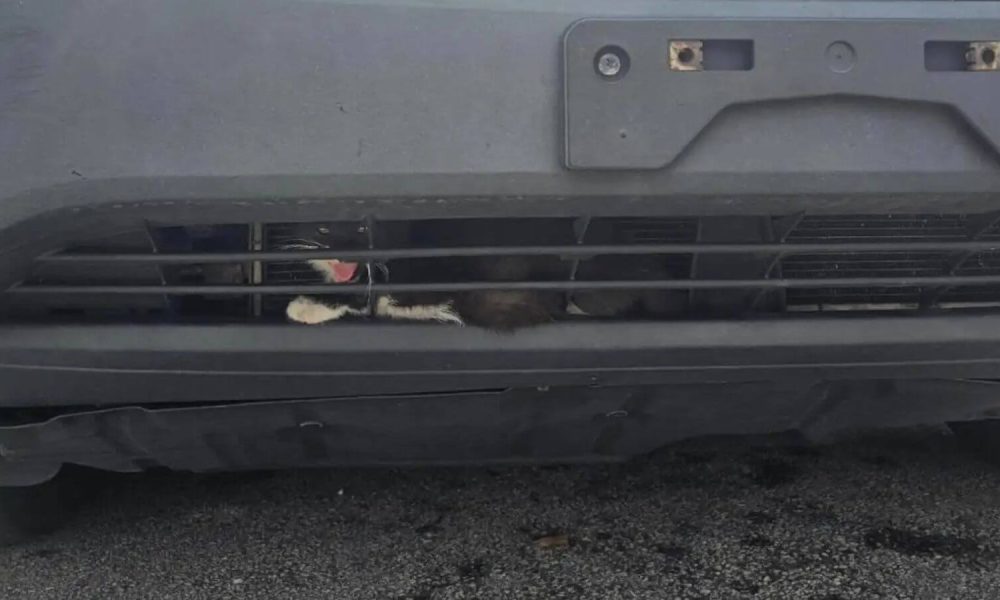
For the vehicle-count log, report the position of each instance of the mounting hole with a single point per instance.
(841, 57)
(988, 56)
(685, 55)
(611, 63)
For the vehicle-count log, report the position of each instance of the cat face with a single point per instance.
(336, 271)
(336, 235)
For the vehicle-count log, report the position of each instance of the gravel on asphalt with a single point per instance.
(893, 515)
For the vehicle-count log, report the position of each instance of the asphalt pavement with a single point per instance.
(892, 515)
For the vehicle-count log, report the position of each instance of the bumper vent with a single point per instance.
(721, 266)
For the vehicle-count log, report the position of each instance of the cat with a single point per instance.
(628, 302)
(498, 310)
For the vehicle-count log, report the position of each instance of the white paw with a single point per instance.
(573, 309)
(311, 312)
(441, 313)
(445, 313)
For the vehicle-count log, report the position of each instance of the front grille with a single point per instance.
(731, 267)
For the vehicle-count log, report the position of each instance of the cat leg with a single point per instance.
(508, 310)
(313, 312)
(443, 312)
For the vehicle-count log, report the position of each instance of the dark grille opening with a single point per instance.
(887, 228)
(732, 267)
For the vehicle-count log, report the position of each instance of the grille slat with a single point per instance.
(683, 284)
(561, 250)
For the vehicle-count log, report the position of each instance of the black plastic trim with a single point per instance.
(58, 365)
(517, 425)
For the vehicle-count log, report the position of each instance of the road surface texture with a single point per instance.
(899, 515)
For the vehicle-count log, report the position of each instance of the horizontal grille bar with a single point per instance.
(581, 250)
(684, 284)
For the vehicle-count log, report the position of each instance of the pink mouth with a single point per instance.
(342, 272)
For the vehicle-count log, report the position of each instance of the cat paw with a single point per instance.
(441, 313)
(311, 312)
(446, 313)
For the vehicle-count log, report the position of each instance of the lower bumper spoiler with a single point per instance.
(518, 425)
(53, 365)
(349, 394)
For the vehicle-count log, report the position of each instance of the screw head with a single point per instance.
(609, 64)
